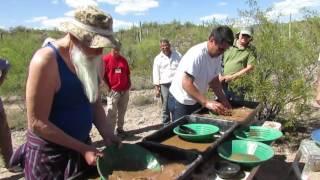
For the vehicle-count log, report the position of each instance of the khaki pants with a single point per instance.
(5, 138)
(117, 103)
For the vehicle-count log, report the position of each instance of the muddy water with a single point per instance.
(244, 157)
(237, 114)
(168, 171)
(183, 144)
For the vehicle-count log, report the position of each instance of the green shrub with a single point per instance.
(282, 79)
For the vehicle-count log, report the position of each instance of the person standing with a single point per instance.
(5, 135)
(238, 60)
(62, 100)
(198, 70)
(164, 67)
(117, 78)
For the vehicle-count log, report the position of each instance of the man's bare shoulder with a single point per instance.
(43, 58)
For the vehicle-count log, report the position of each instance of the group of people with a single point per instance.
(63, 91)
(183, 82)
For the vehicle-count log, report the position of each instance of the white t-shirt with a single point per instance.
(198, 63)
(165, 67)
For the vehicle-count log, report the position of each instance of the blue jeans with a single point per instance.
(179, 110)
(165, 113)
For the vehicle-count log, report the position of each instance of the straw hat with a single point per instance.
(91, 26)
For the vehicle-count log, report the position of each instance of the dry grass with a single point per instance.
(142, 100)
(17, 119)
(140, 83)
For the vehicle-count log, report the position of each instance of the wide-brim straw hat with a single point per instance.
(91, 26)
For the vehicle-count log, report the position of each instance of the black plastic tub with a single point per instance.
(166, 137)
(255, 106)
(169, 154)
(164, 155)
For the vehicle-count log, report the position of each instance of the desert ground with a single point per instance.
(142, 120)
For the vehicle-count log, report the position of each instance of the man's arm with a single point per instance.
(190, 88)
(156, 77)
(216, 86)
(247, 69)
(318, 92)
(4, 68)
(3, 75)
(42, 83)
(103, 124)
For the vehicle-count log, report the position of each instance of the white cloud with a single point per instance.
(243, 22)
(80, 3)
(119, 24)
(3, 27)
(70, 13)
(37, 19)
(44, 22)
(137, 7)
(113, 2)
(122, 7)
(217, 17)
(222, 3)
(52, 23)
(291, 7)
(55, 2)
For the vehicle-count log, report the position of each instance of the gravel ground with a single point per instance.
(141, 121)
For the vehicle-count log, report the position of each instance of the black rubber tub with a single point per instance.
(166, 137)
(254, 106)
(171, 155)
(165, 155)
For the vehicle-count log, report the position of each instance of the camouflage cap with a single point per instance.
(91, 26)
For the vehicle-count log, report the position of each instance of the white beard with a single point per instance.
(87, 70)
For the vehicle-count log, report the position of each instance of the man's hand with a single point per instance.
(318, 98)
(226, 104)
(91, 154)
(227, 78)
(217, 107)
(158, 92)
(113, 140)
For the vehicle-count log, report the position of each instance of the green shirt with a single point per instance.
(235, 59)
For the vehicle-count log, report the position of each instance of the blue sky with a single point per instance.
(48, 13)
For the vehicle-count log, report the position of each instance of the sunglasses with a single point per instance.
(246, 35)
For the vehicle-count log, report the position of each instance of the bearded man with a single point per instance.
(62, 100)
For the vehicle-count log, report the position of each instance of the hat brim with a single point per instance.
(90, 39)
(246, 32)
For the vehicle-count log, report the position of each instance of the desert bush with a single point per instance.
(282, 79)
